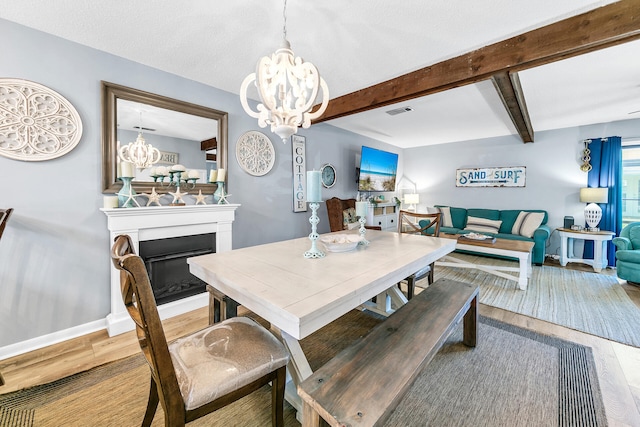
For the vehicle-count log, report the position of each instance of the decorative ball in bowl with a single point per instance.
(340, 242)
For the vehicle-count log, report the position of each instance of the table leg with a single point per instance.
(563, 251)
(523, 275)
(599, 255)
(298, 368)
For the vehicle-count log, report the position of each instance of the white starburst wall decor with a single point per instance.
(36, 123)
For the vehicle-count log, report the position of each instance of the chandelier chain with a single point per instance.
(284, 14)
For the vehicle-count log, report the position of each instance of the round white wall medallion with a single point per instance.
(255, 153)
(36, 123)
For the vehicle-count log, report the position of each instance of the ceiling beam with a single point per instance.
(512, 96)
(209, 144)
(597, 29)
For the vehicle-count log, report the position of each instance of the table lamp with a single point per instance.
(593, 212)
(412, 199)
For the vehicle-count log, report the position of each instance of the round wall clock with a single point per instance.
(255, 153)
(328, 174)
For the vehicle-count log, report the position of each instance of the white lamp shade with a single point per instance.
(594, 195)
(412, 198)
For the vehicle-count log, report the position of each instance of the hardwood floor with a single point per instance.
(618, 365)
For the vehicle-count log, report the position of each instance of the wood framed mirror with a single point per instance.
(188, 134)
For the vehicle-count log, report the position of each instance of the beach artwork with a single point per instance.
(377, 170)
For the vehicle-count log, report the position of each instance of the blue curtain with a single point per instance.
(606, 162)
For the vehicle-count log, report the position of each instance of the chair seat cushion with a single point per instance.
(224, 357)
(421, 273)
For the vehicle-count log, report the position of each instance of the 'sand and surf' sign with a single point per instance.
(514, 176)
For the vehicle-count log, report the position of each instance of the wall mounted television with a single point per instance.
(377, 170)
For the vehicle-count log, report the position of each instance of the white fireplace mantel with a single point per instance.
(159, 222)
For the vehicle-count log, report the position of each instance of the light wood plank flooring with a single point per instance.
(618, 365)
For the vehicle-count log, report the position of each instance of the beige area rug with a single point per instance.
(513, 377)
(582, 300)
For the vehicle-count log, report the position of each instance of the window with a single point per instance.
(630, 182)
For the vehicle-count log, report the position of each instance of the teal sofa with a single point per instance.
(508, 217)
(628, 253)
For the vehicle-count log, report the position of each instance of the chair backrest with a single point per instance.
(4, 217)
(335, 207)
(419, 223)
(140, 303)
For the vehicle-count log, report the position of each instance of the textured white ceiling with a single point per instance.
(354, 44)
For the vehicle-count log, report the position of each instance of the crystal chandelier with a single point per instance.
(288, 88)
(141, 154)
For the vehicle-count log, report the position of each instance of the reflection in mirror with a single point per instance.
(186, 134)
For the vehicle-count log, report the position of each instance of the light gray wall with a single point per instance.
(54, 254)
(553, 177)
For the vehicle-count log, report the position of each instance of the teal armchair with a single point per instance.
(628, 253)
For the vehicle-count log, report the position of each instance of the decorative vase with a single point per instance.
(126, 193)
(219, 191)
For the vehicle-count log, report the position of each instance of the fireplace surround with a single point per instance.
(165, 222)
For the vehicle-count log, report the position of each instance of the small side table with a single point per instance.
(599, 238)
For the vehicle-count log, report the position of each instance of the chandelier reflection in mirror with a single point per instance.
(288, 88)
(141, 154)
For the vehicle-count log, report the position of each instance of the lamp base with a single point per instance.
(592, 215)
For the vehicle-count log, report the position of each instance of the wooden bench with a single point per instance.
(364, 383)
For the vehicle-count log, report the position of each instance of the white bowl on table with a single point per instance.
(340, 242)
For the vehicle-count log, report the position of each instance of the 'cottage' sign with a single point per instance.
(514, 176)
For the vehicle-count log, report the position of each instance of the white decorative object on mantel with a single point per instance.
(36, 123)
(255, 153)
(160, 222)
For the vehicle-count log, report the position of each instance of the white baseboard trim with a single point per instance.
(115, 325)
(22, 347)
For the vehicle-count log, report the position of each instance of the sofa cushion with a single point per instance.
(634, 237)
(509, 217)
(482, 225)
(483, 213)
(458, 216)
(510, 236)
(445, 218)
(527, 222)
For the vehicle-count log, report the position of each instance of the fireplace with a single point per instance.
(208, 228)
(166, 262)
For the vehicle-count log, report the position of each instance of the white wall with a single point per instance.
(553, 176)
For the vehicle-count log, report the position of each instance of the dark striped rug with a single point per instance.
(513, 377)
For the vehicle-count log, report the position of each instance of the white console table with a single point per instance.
(600, 238)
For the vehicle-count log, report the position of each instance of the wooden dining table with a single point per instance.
(299, 295)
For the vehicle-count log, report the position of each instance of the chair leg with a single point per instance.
(411, 286)
(430, 277)
(277, 397)
(152, 404)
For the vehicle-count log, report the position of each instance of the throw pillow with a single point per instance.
(483, 225)
(348, 217)
(445, 216)
(526, 223)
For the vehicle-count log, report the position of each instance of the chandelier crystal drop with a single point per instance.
(288, 88)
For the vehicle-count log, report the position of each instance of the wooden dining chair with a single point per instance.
(199, 373)
(4, 217)
(427, 224)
